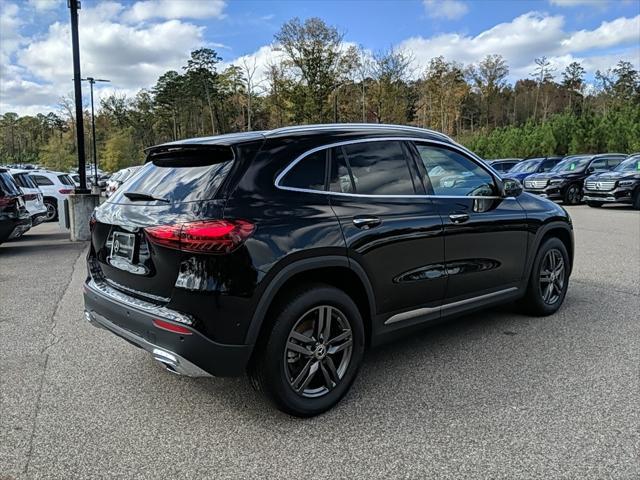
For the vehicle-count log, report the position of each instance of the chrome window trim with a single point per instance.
(453, 145)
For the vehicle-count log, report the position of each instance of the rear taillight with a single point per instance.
(30, 196)
(92, 221)
(212, 236)
(65, 191)
(7, 201)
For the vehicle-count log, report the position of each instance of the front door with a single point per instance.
(485, 235)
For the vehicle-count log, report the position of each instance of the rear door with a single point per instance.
(485, 235)
(392, 230)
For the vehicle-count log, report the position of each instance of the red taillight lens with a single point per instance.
(30, 196)
(212, 236)
(7, 201)
(65, 191)
(92, 222)
(171, 327)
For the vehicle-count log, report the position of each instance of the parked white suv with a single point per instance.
(56, 187)
(119, 178)
(32, 195)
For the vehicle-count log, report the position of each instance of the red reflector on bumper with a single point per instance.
(171, 327)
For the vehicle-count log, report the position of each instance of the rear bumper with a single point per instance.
(38, 218)
(14, 228)
(192, 354)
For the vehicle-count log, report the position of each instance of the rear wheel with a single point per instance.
(52, 210)
(311, 355)
(573, 195)
(594, 204)
(549, 279)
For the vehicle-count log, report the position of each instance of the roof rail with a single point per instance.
(347, 126)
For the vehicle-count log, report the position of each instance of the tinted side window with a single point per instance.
(65, 180)
(41, 180)
(7, 184)
(452, 174)
(308, 173)
(599, 164)
(548, 165)
(379, 168)
(614, 162)
(339, 175)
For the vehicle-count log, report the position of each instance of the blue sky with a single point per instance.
(132, 42)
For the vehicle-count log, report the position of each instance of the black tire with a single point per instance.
(594, 204)
(636, 200)
(535, 301)
(276, 368)
(52, 210)
(572, 195)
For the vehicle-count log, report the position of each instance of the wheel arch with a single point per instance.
(336, 271)
(560, 230)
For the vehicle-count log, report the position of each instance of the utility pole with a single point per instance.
(74, 6)
(92, 81)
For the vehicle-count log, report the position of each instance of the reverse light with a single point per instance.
(209, 236)
(171, 327)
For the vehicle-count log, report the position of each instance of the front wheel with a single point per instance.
(549, 279)
(594, 204)
(573, 195)
(636, 200)
(312, 353)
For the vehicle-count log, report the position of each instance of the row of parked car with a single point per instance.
(594, 179)
(30, 196)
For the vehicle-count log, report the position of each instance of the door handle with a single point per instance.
(366, 221)
(459, 217)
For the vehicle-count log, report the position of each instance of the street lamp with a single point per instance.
(91, 81)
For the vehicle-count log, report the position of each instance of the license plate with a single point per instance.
(123, 245)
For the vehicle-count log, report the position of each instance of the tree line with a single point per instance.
(315, 77)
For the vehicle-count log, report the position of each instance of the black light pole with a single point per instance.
(74, 5)
(91, 81)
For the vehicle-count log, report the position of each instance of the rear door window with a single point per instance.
(41, 180)
(178, 177)
(379, 168)
(308, 173)
(599, 164)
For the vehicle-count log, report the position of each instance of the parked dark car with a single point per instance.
(503, 164)
(285, 253)
(565, 181)
(14, 218)
(530, 166)
(620, 185)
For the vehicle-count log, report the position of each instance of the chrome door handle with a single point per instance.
(366, 221)
(459, 217)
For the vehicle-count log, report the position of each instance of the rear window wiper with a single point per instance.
(143, 196)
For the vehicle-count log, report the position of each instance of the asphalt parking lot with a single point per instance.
(492, 395)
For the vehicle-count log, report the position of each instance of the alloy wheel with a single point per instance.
(573, 195)
(318, 351)
(552, 276)
(51, 211)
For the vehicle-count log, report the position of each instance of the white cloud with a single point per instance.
(619, 31)
(577, 3)
(171, 9)
(451, 9)
(9, 29)
(524, 38)
(44, 5)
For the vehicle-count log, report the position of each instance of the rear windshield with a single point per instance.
(24, 180)
(177, 179)
(66, 180)
(7, 185)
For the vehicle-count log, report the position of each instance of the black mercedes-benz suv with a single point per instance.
(620, 185)
(14, 217)
(285, 253)
(565, 181)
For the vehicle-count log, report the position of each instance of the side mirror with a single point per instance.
(591, 169)
(511, 187)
